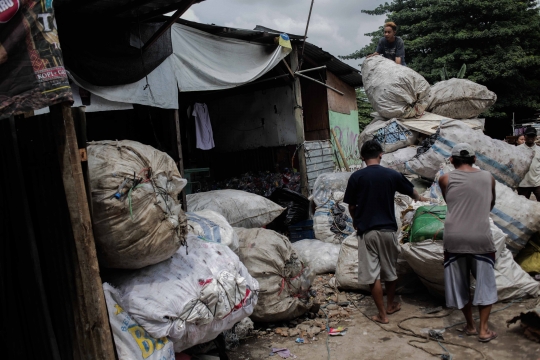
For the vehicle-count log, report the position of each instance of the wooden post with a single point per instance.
(338, 145)
(91, 323)
(299, 121)
(180, 157)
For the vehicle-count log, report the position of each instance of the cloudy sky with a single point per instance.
(336, 26)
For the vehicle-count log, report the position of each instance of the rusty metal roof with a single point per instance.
(128, 10)
(261, 34)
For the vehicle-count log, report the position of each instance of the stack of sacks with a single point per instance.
(240, 208)
(402, 97)
(190, 298)
(284, 280)
(138, 220)
(331, 221)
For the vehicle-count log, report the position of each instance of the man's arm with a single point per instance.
(352, 211)
(417, 197)
(494, 195)
(398, 60)
(400, 50)
(443, 184)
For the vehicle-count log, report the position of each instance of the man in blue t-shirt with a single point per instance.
(370, 194)
(391, 46)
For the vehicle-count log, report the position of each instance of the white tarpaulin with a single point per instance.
(200, 62)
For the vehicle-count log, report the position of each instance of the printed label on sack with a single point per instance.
(146, 343)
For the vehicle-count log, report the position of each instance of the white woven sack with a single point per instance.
(460, 99)
(324, 226)
(391, 134)
(240, 208)
(396, 160)
(147, 224)
(284, 280)
(394, 91)
(347, 269)
(516, 216)
(507, 163)
(320, 257)
(192, 297)
(131, 340)
(426, 258)
(213, 227)
(328, 185)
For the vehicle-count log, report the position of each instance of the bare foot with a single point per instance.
(377, 318)
(394, 308)
(488, 336)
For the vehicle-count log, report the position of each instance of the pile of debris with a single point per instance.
(260, 183)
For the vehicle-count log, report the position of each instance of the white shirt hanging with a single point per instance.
(203, 127)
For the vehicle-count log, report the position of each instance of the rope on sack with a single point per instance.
(287, 281)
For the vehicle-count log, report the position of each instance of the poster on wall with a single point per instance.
(32, 73)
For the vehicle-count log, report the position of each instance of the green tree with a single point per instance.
(364, 108)
(499, 40)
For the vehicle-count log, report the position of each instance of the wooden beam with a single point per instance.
(186, 4)
(320, 83)
(92, 323)
(180, 156)
(338, 145)
(299, 122)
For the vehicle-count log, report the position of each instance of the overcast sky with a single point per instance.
(336, 26)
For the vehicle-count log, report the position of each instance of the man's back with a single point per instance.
(372, 190)
(469, 197)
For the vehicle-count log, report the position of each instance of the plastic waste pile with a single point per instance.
(260, 183)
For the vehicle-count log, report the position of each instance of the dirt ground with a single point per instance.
(367, 340)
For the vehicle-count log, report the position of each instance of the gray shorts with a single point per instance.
(378, 252)
(457, 279)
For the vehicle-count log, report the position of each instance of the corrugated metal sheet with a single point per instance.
(319, 159)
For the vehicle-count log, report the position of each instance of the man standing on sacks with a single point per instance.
(531, 182)
(468, 244)
(370, 194)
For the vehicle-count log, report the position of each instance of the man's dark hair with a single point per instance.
(460, 160)
(371, 150)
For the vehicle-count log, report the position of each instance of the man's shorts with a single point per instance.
(378, 251)
(457, 270)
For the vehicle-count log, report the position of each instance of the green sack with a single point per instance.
(529, 257)
(428, 223)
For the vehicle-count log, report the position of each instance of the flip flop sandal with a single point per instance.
(492, 337)
(467, 332)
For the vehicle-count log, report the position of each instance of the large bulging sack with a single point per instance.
(394, 91)
(131, 340)
(320, 257)
(332, 222)
(396, 160)
(213, 227)
(459, 99)
(284, 280)
(507, 163)
(426, 258)
(347, 270)
(516, 216)
(144, 223)
(192, 297)
(391, 134)
(240, 208)
(328, 185)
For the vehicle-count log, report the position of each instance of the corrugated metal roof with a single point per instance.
(261, 34)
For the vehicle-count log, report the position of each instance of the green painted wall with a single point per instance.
(347, 131)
